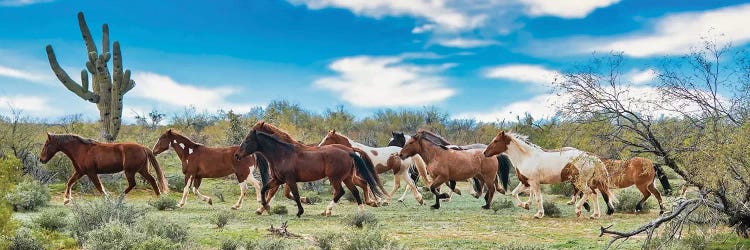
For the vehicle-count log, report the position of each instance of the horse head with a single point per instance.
(398, 139)
(248, 146)
(412, 147)
(165, 140)
(498, 145)
(49, 149)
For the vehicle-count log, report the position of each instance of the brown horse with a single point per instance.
(637, 171)
(291, 163)
(199, 161)
(445, 164)
(285, 137)
(91, 158)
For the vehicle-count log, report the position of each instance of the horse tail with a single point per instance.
(262, 164)
(370, 166)
(159, 172)
(503, 170)
(367, 175)
(663, 179)
(477, 186)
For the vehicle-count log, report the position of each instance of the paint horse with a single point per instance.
(199, 161)
(290, 163)
(262, 126)
(637, 171)
(535, 166)
(380, 157)
(91, 158)
(445, 164)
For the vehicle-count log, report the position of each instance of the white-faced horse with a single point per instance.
(379, 157)
(535, 166)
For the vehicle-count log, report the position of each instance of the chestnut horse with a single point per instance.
(291, 163)
(534, 166)
(380, 157)
(91, 158)
(637, 171)
(262, 126)
(199, 161)
(445, 164)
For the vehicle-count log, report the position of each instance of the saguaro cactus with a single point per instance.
(107, 90)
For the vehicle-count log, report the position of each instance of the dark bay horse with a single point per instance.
(199, 161)
(445, 164)
(290, 163)
(91, 158)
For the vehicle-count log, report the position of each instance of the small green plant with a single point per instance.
(563, 188)
(52, 219)
(371, 238)
(279, 209)
(114, 235)
(164, 228)
(221, 218)
(326, 241)
(29, 195)
(176, 182)
(230, 244)
(156, 243)
(90, 215)
(551, 210)
(271, 244)
(312, 198)
(428, 195)
(360, 219)
(163, 203)
(24, 240)
(695, 241)
(501, 204)
(628, 200)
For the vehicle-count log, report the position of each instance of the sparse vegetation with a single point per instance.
(628, 200)
(279, 209)
(29, 195)
(163, 203)
(52, 219)
(360, 219)
(551, 210)
(221, 218)
(501, 203)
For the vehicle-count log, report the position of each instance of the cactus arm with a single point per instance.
(90, 46)
(105, 42)
(71, 85)
(117, 80)
(84, 80)
(130, 83)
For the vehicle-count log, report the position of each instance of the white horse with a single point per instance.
(379, 157)
(534, 166)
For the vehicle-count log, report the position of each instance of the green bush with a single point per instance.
(628, 200)
(176, 182)
(279, 209)
(90, 215)
(695, 241)
(362, 218)
(368, 239)
(349, 196)
(114, 235)
(24, 240)
(326, 241)
(156, 243)
(163, 203)
(9, 171)
(164, 228)
(221, 218)
(312, 197)
(551, 210)
(270, 244)
(428, 195)
(231, 244)
(563, 188)
(52, 219)
(501, 204)
(29, 195)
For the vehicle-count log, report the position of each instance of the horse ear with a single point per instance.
(333, 131)
(169, 131)
(48, 135)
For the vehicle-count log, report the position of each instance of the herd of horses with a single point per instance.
(282, 160)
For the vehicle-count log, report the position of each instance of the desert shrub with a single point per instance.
(501, 204)
(29, 195)
(164, 228)
(326, 241)
(163, 203)
(176, 182)
(270, 244)
(551, 210)
(24, 240)
(349, 196)
(371, 238)
(9, 171)
(695, 241)
(231, 244)
(156, 243)
(312, 197)
(520, 246)
(428, 195)
(52, 219)
(628, 199)
(314, 186)
(563, 188)
(279, 209)
(221, 218)
(360, 219)
(113, 235)
(90, 215)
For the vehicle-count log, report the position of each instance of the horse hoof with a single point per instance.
(66, 202)
(594, 216)
(570, 203)
(235, 208)
(538, 216)
(578, 213)
(435, 206)
(486, 206)
(457, 191)
(181, 205)
(386, 203)
(210, 202)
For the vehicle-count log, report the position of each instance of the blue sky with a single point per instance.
(484, 59)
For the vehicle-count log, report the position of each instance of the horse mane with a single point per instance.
(66, 138)
(186, 138)
(264, 127)
(435, 139)
(276, 139)
(525, 139)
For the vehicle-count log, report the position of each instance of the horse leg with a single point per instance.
(396, 186)
(272, 186)
(186, 190)
(255, 182)
(597, 209)
(580, 203)
(363, 184)
(97, 183)
(292, 185)
(150, 179)
(72, 180)
(439, 180)
(537, 193)
(410, 184)
(656, 193)
(130, 176)
(197, 192)
(352, 188)
(573, 196)
(520, 189)
(243, 191)
(338, 191)
(489, 183)
(645, 192)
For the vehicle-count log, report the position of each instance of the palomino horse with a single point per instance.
(535, 166)
(637, 171)
(199, 161)
(445, 164)
(90, 158)
(379, 157)
(262, 126)
(291, 164)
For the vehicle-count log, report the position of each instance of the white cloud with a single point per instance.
(564, 9)
(23, 75)
(369, 81)
(31, 105)
(423, 29)
(166, 90)
(465, 43)
(14, 3)
(642, 77)
(523, 73)
(542, 106)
